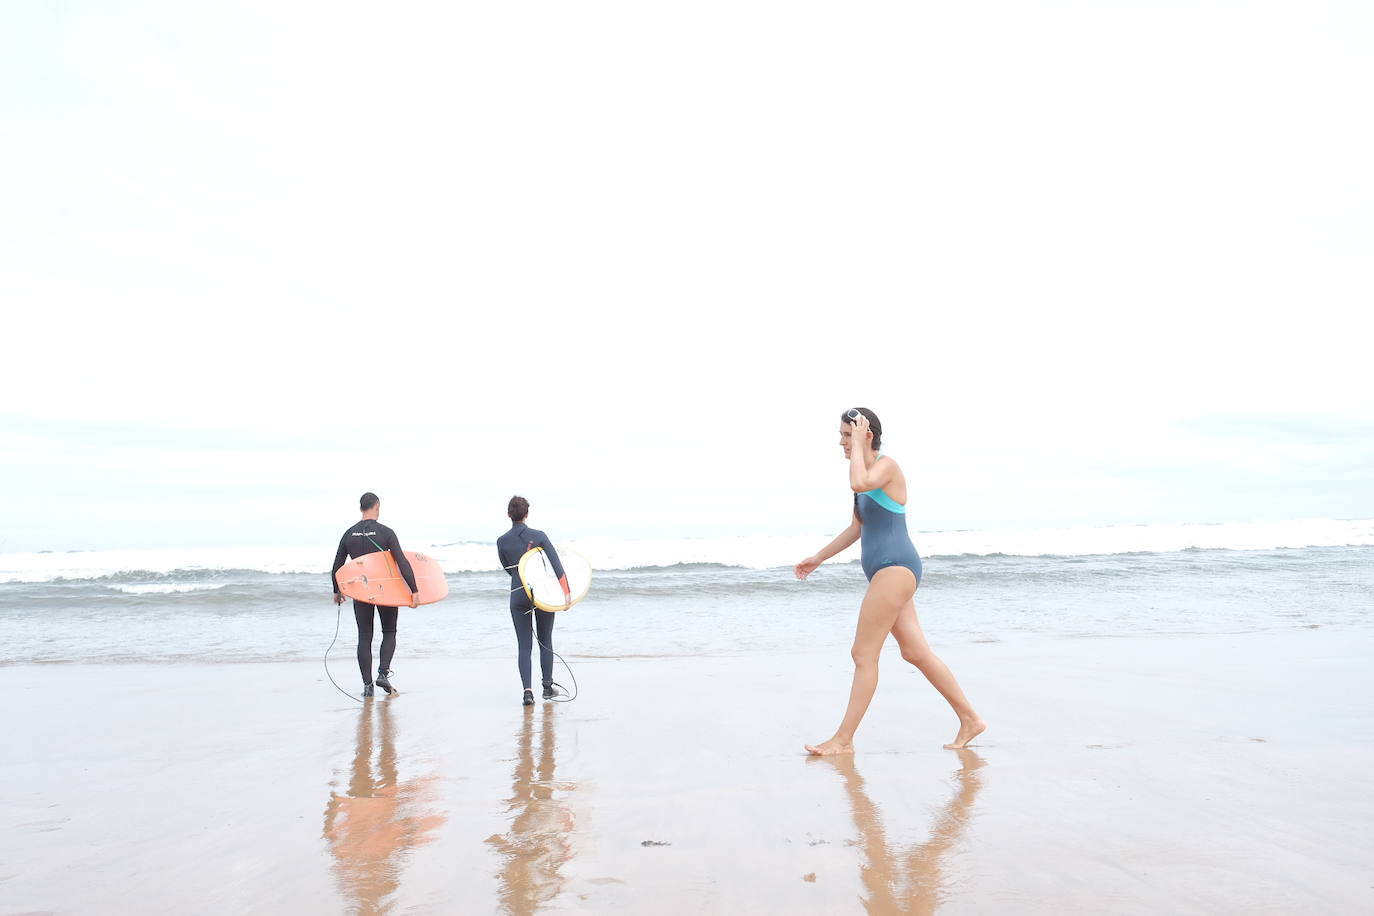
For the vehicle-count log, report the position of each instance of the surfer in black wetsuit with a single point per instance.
(511, 546)
(371, 536)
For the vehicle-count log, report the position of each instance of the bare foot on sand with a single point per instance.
(831, 747)
(968, 730)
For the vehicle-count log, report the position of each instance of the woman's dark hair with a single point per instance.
(367, 501)
(518, 508)
(873, 423)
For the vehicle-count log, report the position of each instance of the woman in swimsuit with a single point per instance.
(893, 569)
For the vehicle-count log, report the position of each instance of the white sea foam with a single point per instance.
(1073, 542)
(99, 564)
(140, 569)
(164, 588)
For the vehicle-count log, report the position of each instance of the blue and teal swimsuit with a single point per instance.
(885, 541)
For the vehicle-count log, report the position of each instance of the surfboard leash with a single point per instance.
(566, 697)
(338, 620)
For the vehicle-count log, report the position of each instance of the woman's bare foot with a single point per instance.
(831, 747)
(968, 730)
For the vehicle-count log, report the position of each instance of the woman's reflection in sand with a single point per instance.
(537, 843)
(908, 880)
(373, 825)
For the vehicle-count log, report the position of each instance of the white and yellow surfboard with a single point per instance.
(543, 587)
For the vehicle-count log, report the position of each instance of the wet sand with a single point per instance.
(1126, 775)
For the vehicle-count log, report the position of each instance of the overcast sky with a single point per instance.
(1091, 264)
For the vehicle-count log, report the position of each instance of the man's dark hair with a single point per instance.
(368, 501)
(518, 508)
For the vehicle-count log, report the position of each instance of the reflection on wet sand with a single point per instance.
(908, 881)
(373, 825)
(537, 843)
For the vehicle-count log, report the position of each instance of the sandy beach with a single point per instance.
(1132, 775)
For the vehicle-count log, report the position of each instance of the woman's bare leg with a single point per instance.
(890, 589)
(916, 650)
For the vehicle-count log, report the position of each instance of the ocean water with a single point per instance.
(721, 596)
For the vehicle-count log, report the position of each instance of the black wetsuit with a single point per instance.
(370, 536)
(510, 547)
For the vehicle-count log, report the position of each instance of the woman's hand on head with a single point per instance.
(861, 432)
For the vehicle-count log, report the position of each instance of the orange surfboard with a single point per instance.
(374, 578)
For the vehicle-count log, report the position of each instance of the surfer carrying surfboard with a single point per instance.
(510, 547)
(893, 569)
(371, 536)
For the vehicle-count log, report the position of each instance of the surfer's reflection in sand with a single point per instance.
(372, 826)
(908, 880)
(538, 841)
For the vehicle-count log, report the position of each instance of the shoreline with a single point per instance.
(1135, 775)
